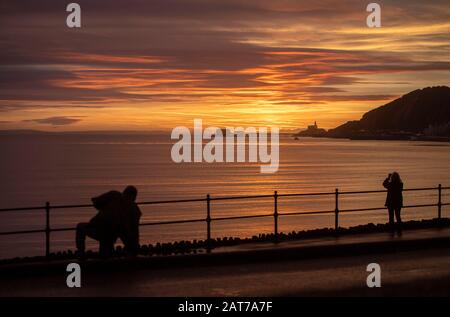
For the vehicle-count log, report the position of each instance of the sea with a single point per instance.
(71, 168)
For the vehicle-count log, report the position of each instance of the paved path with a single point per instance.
(412, 272)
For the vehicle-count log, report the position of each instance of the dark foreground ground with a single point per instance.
(407, 269)
(413, 273)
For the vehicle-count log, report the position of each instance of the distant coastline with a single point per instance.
(301, 134)
(380, 137)
(371, 136)
(420, 115)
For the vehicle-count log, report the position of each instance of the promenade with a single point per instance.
(414, 264)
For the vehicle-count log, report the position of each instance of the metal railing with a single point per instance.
(208, 219)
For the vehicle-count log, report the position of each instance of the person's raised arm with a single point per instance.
(386, 182)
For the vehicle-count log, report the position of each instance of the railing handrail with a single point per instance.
(208, 219)
(158, 202)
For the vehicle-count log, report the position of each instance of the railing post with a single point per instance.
(275, 215)
(336, 210)
(47, 229)
(439, 201)
(208, 221)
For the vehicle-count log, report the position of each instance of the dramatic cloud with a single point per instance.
(55, 120)
(159, 63)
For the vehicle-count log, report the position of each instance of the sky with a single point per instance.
(158, 64)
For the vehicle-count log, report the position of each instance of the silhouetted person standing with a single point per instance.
(394, 199)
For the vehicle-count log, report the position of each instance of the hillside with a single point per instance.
(422, 111)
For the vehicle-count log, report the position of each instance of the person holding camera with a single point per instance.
(394, 200)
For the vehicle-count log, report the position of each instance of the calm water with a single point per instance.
(70, 169)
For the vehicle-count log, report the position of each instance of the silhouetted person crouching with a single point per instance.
(117, 217)
(394, 199)
(104, 226)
